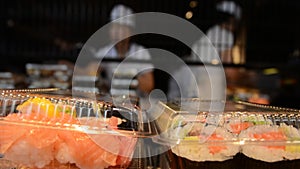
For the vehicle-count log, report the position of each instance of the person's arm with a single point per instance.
(146, 82)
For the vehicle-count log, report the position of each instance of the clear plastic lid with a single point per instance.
(203, 130)
(62, 109)
(194, 121)
(43, 128)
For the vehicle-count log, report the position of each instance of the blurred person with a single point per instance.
(221, 35)
(208, 82)
(125, 48)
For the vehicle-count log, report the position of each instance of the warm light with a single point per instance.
(189, 15)
(193, 4)
(270, 71)
(236, 55)
(215, 61)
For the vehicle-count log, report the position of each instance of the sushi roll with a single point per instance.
(271, 146)
(205, 146)
(202, 145)
(236, 123)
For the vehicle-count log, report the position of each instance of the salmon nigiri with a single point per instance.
(85, 152)
(41, 134)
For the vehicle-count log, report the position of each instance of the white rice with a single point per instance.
(63, 154)
(263, 153)
(24, 153)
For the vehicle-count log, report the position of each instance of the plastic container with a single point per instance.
(6, 80)
(217, 134)
(48, 75)
(56, 130)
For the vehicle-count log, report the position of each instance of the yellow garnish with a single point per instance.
(45, 107)
(293, 148)
(191, 138)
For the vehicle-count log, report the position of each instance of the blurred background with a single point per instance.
(47, 31)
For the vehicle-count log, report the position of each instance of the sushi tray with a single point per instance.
(218, 134)
(53, 129)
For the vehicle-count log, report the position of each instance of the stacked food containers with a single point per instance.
(6, 80)
(48, 75)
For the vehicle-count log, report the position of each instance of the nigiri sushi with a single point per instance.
(37, 137)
